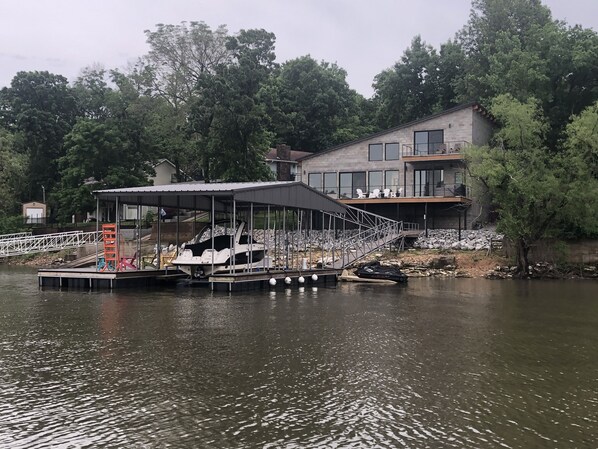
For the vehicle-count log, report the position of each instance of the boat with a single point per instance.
(373, 270)
(209, 254)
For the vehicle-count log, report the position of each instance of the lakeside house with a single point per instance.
(413, 172)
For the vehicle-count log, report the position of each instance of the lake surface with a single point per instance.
(439, 363)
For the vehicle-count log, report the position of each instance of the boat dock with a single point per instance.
(91, 279)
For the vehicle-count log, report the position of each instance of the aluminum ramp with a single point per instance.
(25, 243)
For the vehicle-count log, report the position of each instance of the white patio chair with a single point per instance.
(375, 193)
(387, 193)
(360, 193)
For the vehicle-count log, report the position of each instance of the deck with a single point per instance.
(90, 279)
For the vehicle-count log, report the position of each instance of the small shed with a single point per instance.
(35, 212)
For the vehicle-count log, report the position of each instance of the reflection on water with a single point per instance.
(440, 363)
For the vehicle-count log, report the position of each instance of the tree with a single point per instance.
(98, 155)
(312, 106)
(179, 56)
(12, 174)
(514, 47)
(41, 108)
(228, 117)
(537, 193)
(408, 90)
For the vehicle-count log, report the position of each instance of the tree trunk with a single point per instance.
(522, 257)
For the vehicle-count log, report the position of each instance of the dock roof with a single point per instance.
(198, 196)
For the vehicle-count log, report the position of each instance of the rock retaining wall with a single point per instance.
(449, 239)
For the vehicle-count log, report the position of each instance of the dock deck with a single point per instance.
(91, 279)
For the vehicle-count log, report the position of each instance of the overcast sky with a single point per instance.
(362, 36)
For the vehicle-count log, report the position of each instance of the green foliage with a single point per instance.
(537, 193)
(408, 90)
(312, 106)
(12, 174)
(231, 122)
(41, 108)
(10, 224)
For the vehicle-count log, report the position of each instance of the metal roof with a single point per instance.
(198, 196)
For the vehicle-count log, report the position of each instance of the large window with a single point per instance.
(391, 180)
(428, 142)
(375, 180)
(314, 180)
(350, 182)
(428, 182)
(375, 152)
(392, 151)
(330, 186)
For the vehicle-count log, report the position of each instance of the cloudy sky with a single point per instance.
(362, 36)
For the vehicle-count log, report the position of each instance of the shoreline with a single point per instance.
(413, 262)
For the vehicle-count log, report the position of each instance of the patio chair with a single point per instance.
(388, 193)
(360, 193)
(375, 193)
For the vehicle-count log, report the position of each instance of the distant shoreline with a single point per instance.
(413, 262)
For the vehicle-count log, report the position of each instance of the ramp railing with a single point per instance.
(362, 233)
(28, 244)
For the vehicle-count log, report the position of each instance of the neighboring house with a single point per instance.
(419, 165)
(283, 162)
(165, 174)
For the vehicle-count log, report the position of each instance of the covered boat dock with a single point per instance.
(299, 225)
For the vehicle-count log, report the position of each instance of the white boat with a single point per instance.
(200, 259)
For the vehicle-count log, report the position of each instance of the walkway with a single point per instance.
(25, 243)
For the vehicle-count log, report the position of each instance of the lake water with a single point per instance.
(438, 363)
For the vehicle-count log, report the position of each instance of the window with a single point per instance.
(392, 151)
(426, 181)
(330, 186)
(314, 180)
(350, 182)
(375, 153)
(428, 142)
(375, 180)
(391, 180)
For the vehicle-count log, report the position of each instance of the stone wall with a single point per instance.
(581, 251)
(449, 239)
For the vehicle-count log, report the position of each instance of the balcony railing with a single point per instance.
(434, 149)
(439, 189)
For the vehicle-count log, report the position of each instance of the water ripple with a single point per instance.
(435, 365)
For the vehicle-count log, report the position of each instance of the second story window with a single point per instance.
(428, 142)
(392, 151)
(314, 180)
(375, 152)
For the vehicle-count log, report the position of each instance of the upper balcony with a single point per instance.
(424, 152)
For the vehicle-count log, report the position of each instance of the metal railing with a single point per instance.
(429, 149)
(439, 189)
(362, 233)
(20, 245)
(16, 235)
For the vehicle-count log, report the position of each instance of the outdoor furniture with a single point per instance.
(375, 193)
(388, 193)
(360, 193)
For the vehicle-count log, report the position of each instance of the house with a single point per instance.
(165, 174)
(283, 162)
(414, 172)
